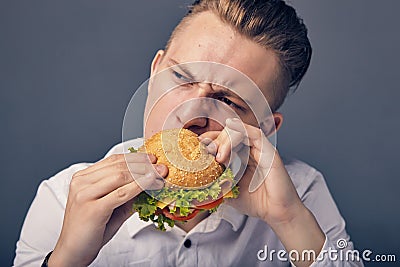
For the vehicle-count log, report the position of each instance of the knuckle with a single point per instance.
(80, 197)
(120, 166)
(114, 158)
(144, 156)
(74, 184)
(136, 185)
(121, 193)
(122, 178)
(78, 173)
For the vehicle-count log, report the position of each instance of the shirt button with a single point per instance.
(187, 243)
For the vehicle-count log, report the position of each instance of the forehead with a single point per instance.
(205, 37)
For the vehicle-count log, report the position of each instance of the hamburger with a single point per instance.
(196, 182)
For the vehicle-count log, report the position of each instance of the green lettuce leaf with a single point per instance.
(132, 150)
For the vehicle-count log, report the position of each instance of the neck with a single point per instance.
(190, 224)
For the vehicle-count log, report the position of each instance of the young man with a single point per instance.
(83, 214)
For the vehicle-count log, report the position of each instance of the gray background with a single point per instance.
(69, 68)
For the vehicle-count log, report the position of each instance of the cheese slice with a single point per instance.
(164, 202)
(161, 204)
(229, 195)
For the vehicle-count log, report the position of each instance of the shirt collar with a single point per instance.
(231, 215)
(211, 223)
(135, 225)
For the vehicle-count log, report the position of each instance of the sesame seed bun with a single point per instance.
(189, 164)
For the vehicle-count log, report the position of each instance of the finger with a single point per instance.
(118, 158)
(241, 152)
(159, 171)
(249, 131)
(212, 147)
(262, 151)
(264, 155)
(209, 139)
(210, 135)
(238, 131)
(136, 169)
(125, 193)
(156, 185)
(107, 184)
(206, 141)
(255, 139)
(140, 169)
(219, 146)
(224, 149)
(231, 139)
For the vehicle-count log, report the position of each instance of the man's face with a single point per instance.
(206, 38)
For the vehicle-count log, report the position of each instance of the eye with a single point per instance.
(229, 102)
(181, 77)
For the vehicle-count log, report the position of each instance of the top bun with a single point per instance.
(188, 162)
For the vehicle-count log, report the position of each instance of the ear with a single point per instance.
(272, 123)
(156, 61)
(278, 120)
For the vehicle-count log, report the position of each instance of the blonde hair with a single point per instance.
(272, 24)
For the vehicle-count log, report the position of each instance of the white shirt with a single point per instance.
(225, 238)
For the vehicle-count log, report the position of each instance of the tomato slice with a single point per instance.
(204, 205)
(210, 205)
(174, 217)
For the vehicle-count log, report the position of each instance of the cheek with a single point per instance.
(250, 119)
(159, 112)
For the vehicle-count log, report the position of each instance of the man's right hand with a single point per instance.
(99, 201)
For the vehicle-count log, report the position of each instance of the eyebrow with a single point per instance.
(176, 64)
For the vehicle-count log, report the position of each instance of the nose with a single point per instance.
(201, 112)
(194, 114)
(197, 125)
(205, 89)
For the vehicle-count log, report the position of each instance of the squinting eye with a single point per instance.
(181, 77)
(229, 102)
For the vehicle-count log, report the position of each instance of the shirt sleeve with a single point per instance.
(338, 249)
(43, 222)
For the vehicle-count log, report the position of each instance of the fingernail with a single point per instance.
(212, 148)
(160, 168)
(151, 158)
